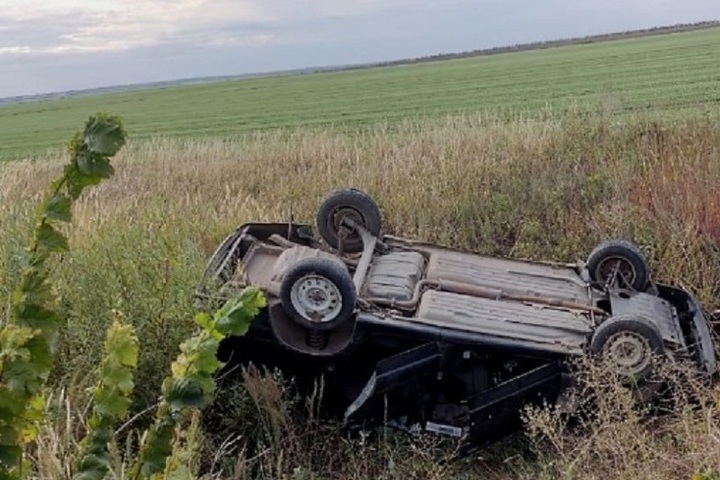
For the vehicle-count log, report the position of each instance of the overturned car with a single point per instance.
(451, 341)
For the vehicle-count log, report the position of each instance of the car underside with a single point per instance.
(455, 342)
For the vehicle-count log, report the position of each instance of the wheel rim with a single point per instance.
(629, 351)
(616, 269)
(316, 298)
(336, 223)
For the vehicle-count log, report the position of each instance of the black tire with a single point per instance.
(622, 257)
(626, 333)
(345, 203)
(330, 284)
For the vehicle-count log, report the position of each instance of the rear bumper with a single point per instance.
(706, 348)
(695, 328)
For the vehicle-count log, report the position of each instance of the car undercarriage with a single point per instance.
(453, 341)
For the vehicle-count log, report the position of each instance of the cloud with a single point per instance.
(91, 26)
(55, 27)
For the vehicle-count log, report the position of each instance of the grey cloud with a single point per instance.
(36, 34)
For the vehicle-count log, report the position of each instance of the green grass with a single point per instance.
(671, 74)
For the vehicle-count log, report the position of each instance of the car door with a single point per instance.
(401, 385)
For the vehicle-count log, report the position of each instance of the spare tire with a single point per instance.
(318, 293)
(344, 204)
(618, 263)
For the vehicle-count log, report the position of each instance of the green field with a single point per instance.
(670, 73)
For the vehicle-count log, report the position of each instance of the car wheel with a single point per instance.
(347, 204)
(318, 293)
(618, 263)
(629, 343)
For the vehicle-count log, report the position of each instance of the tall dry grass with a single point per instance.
(545, 189)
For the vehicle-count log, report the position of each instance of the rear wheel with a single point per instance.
(318, 293)
(618, 263)
(347, 204)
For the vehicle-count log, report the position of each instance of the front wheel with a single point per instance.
(318, 293)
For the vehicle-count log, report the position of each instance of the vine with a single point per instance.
(29, 334)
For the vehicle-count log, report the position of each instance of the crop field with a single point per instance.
(637, 158)
(673, 74)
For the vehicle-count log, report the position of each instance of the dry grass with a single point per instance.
(262, 429)
(540, 189)
(617, 438)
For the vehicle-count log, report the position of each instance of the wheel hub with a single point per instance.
(616, 270)
(316, 298)
(630, 352)
(346, 213)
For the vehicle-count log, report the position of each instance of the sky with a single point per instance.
(59, 45)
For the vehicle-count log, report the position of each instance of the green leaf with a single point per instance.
(21, 375)
(5, 475)
(104, 135)
(8, 436)
(92, 467)
(41, 354)
(93, 460)
(34, 277)
(206, 322)
(58, 207)
(185, 393)
(13, 337)
(122, 344)
(50, 239)
(94, 165)
(180, 472)
(158, 446)
(33, 415)
(117, 377)
(12, 405)
(206, 360)
(111, 405)
(36, 316)
(77, 180)
(235, 317)
(10, 456)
